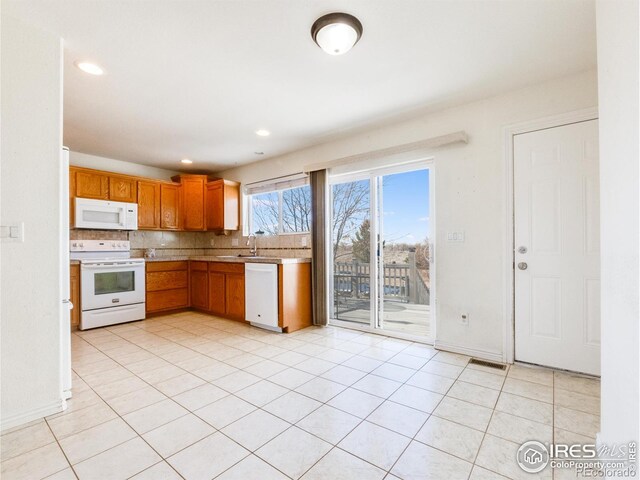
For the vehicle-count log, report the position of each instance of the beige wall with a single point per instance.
(30, 191)
(617, 28)
(79, 159)
(470, 196)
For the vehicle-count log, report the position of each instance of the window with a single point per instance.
(279, 207)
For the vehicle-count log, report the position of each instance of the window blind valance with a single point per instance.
(276, 184)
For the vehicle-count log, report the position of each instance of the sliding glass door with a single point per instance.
(351, 242)
(382, 252)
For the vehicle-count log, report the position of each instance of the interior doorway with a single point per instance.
(557, 247)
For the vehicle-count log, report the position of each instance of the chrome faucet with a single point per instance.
(253, 251)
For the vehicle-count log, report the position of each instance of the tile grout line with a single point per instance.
(326, 345)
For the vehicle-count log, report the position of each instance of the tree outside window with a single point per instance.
(284, 211)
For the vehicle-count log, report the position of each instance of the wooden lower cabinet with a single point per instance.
(226, 289)
(74, 277)
(167, 286)
(216, 293)
(218, 288)
(294, 296)
(199, 278)
(234, 295)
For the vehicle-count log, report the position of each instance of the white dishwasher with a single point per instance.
(261, 295)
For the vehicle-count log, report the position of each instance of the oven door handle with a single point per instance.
(114, 265)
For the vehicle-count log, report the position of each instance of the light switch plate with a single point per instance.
(12, 233)
(234, 242)
(455, 237)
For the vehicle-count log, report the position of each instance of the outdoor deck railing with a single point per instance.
(402, 282)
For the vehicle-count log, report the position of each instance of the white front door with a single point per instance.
(557, 247)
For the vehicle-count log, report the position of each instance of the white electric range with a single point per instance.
(112, 285)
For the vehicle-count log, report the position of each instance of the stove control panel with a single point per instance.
(99, 245)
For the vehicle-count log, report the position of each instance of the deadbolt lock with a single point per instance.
(522, 249)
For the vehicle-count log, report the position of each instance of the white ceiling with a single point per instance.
(195, 79)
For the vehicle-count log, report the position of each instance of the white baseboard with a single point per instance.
(471, 352)
(31, 415)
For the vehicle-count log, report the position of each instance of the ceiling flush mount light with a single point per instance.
(187, 161)
(90, 68)
(336, 33)
(263, 133)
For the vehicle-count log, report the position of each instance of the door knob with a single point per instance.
(523, 265)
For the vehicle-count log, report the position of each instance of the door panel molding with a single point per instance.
(508, 134)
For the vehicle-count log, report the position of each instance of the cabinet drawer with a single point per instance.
(167, 280)
(201, 266)
(167, 299)
(166, 266)
(226, 267)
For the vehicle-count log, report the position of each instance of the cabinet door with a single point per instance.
(72, 197)
(234, 285)
(215, 206)
(92, 185)
(193, 203)
(216, 293)
(75, 295)
(199, 285)
(169, 206)
(122, 189)
(148, 204)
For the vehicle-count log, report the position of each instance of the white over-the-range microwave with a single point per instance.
(105, 215)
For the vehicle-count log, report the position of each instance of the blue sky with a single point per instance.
(406, 206)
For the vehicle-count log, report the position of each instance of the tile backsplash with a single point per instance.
(167, 243)
(82, 234)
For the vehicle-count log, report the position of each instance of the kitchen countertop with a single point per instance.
(229, 259)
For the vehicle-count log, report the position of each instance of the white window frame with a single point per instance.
(276, 185)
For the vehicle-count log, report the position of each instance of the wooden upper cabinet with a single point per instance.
(191, 202)
(148, 204)
(123, 189)
(169, 206)
(193, 208)
(215, 206)
(91, 184)
(223, 205)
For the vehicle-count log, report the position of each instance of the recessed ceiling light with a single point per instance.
(90, 68)
(263, 133)
(336, 33)
(186, 160)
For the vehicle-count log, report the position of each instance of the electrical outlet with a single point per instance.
(304, 241)
(212, 242)
(234, 242)
(464, 319)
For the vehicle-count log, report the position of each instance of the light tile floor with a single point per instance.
(196, 397)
